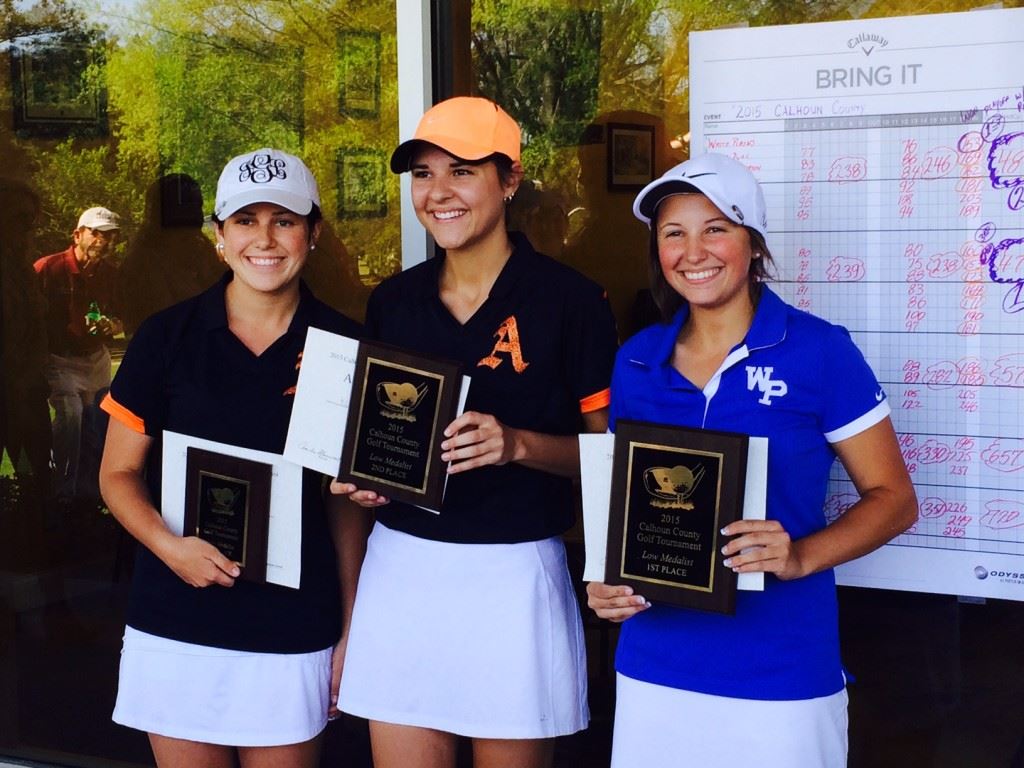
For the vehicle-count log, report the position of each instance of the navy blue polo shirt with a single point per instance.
(540, 352)
(184, 371)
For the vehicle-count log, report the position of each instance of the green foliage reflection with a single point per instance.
(187, 84)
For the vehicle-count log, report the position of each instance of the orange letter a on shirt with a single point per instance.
(508, 341)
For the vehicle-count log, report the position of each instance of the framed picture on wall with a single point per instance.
(630, 156)
(358, 73)
(362, 187)
(55, 90)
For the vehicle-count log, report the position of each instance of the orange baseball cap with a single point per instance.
(466, 127)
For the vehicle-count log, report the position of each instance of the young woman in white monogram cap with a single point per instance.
(764, 686)
(466, 623)
(216, 669)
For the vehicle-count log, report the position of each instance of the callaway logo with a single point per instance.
(867, 42)
(259, 169)
(762, 379)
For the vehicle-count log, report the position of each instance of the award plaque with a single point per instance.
(227, 503)
(673, 490)
(401, 403)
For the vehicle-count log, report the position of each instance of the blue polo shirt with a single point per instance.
(539, 352)
(799, 381)
(184, 371)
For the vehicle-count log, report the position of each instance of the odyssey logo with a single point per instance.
(1007, 577)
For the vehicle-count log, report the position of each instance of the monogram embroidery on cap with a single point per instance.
(260, 169)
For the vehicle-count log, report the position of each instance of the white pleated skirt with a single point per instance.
(220, 696)
(661, 727)
(480, 640)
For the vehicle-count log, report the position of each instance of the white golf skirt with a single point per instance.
(219, 696)
(480, 640)
(661, 727)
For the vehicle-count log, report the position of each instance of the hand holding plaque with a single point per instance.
(227, 503)
(401, 403)
(673, 490)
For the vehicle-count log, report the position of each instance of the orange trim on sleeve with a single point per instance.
(122, 414)
(596, 401)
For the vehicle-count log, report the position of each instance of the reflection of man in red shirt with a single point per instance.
(80, 288)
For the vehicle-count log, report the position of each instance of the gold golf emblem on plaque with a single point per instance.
(671, 488)
(398, 401)
(222, 500)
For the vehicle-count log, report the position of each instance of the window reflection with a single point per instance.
(926, 690)
(135, 106)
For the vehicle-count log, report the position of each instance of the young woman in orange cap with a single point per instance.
(466, 623)
(216, 669)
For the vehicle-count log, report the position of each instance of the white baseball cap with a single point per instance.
(99, 218)
(725, 182)
(265, 176)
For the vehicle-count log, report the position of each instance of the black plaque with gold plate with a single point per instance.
(227, 503)
(401, 403)
(673, 490)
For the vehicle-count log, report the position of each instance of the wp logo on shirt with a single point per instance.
(761, 377)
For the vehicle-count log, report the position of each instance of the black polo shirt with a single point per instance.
(540, 352)
(184, 371)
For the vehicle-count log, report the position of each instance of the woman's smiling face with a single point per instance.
(704, 256)
(266, 246)
(460, 204)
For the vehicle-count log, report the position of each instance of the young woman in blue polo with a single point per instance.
(221, 671)
(764, 686)
(466, 622)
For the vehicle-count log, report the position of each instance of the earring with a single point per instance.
(220, 247)
(312, 246)
(509, 199)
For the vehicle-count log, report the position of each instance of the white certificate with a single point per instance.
(284, 546)
(322, 394)
(463, 394)
(596, 453)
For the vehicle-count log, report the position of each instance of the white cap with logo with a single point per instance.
(266, 176)
(725, 182)
(99, 218)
